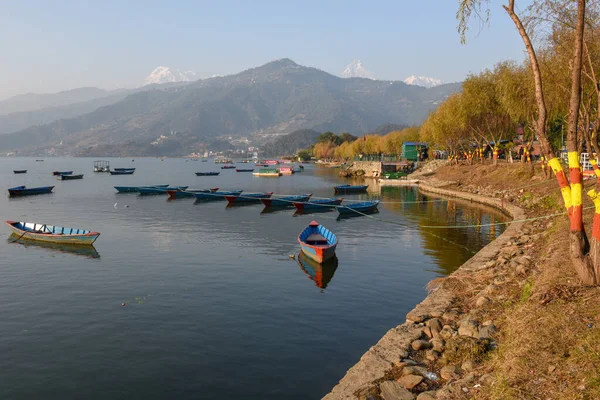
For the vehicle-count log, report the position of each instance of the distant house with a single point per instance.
(412, 150)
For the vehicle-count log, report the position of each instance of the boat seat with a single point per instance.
(316, 240)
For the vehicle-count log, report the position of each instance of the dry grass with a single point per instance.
(549, 343)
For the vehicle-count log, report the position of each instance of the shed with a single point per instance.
(410, 150)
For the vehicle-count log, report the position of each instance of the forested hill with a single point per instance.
(278, 97)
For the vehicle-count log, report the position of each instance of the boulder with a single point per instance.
(438, 345)
(391, 390)
(449, 372)
(469, 327)
(430, 395)
(488, 331)
(410, 381)
(421, 345)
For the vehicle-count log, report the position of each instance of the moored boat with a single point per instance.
(217, 195)
(285, 201)
(317, 242)
(319, 204)
(135, 189)
(52, 234)
(69, 177)
(179, 194)
(361, 208)
(145, 190)
(19, 171)
(228, 166)
(207, 173)
(126, 172)
(350, 188)
(244, 169)
(268, 172)
(25, 191)
(56, 173)
(286, 170)
(248, 198)
(124, 169)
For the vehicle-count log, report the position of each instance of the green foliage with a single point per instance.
(304, 155)
(527, 290)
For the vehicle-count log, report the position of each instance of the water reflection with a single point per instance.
(320, 274)
(470, 226)
(78, 250)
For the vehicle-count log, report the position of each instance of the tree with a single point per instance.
(304, 155)
(586, 264)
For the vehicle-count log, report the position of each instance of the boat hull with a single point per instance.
(287, 201)
(318, 204)
(35, 232)
(156, 190)
(319, 253)
(121, 172)
(248, 198)
(69, 177)
(350, 189)
(23, 191)
(135, 189)
(207, 173)
(359, 208)
(216, 195)
(20, 171)
(57, 173)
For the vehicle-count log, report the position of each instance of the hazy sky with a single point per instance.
(54, 45)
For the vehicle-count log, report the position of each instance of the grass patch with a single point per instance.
(527, 290)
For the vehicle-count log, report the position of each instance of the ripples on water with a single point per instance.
(215, 306)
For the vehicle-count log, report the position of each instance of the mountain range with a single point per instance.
(178, 118)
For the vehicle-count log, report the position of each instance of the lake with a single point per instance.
(214, 305)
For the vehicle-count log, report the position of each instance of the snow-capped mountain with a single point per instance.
(166, 74)
(356, 70)
(422, 81)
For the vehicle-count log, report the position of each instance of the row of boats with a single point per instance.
(68, 175)
(301, 202)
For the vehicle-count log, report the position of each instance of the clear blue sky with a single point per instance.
(53, 45)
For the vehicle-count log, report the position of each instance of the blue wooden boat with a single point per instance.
(247, 197)
(145, 190)
(56, 173)
(25, 191)
(216, 195)
(19, 171)
(317, 242)
(128, 172)
(69, 177)
(207, 173)
(319, 204)
(320, 273)
(285, 201)
(350, 188)
(228, 167)
(52, 234)
(124, 169)
(364, 207)
(179, 194)
(135, 189)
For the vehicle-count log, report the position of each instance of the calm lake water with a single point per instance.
(215, 306)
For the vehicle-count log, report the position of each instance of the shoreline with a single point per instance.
(394, 348)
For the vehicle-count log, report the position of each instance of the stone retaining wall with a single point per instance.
(391, 347)
(372, 168)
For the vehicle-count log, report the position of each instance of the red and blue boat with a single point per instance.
(202, 196)
(317, 242)
(248, 198)
(180, 194)
(52, 234)
(285, 201)
(25, 191)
